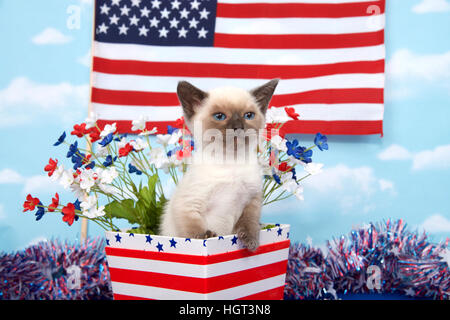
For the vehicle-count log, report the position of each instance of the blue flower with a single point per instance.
(276, 178)
(171, 130)
(73, 149)
(76, 204)
(40, 211)
(321, 141)
(292, 147)
(77, 161)
(304, 155)
(109, 160)
(132, 169)
(60, 139)
(106, 140)
(90, 165)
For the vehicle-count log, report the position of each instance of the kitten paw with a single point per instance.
(206, 235)
(251, 243)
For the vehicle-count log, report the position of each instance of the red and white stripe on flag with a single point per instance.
(158, 267)
(329, 54)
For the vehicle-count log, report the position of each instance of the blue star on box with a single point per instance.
(279, 231)
(234, 240)
(173, 243)
(118, 237)
(148, 239)
(160, 247)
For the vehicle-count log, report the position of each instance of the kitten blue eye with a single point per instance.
(249, 115)
(219, 116)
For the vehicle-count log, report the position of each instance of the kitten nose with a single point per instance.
(236, 122)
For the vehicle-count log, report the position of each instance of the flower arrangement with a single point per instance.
(115, 177)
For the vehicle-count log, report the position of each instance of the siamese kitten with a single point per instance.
(218, 196)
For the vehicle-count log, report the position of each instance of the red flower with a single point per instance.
(94, 134)
(291, 113)
(123, 152)
(69, 213)
(79, 130)
(51, 167)
(277, 131)
(54, 204)
(284, 167)
(86, 159)
(184, 153)
(30, 203)
(179, 123)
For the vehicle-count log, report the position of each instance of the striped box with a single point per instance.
(159, 267)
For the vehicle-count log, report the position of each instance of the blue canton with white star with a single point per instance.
(156, 22)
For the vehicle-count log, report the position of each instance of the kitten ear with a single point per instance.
(264, 93)
(190, 97)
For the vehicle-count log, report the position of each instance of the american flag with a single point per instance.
(329, 55)
(159, 267)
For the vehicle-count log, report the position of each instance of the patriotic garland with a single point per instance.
(410, 265)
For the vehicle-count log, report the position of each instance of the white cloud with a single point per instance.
(436, 224)
(387, 185)
(86, 59)
(24, 100)
(39, 184)
(438, 158)
(8, 176)
(395, 152)
(350, 187)
(50, 36)
(427, 6)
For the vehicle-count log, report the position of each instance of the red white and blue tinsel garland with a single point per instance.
(408, 263)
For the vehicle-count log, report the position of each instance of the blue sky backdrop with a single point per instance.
(44, 90)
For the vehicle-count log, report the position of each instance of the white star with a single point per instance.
(104, 9)
(143, 31)
(410, 292)
(154, 22)
(184, 14)
(195, 4)
(202, 33)
(174, 23)
(175, 4)
(163, 32)
(114, 19)
(136, 3)
(182, 33)
(204, 14)
(124, 10)
(156, 4)
(309, 241)
(145, 12)
(116, 2)
(193, 23)
(123, 29)
(165, 14)
(103, 28)
(134, 20)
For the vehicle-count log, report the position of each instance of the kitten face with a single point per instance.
(226, 108)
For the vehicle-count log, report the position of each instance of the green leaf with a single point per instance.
(123, 210)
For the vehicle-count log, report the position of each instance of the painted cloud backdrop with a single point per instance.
(44, 89)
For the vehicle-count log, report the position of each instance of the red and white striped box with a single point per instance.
(160, 267)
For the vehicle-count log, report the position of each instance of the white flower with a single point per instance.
(87, 180)
(108, 175)
(88, 203)
(109, 128)
(122, 143)
(93, 211)
(147, 133)
(101, 151)
(313, 168)
(107, 188)
(278, 143)
(76, 190)
(139, 124)
(158, 158)
(58, 173)
(299, 193)
(139, 144)
(165, 139)
(66, 179)
(276, 115)
(91, 120)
